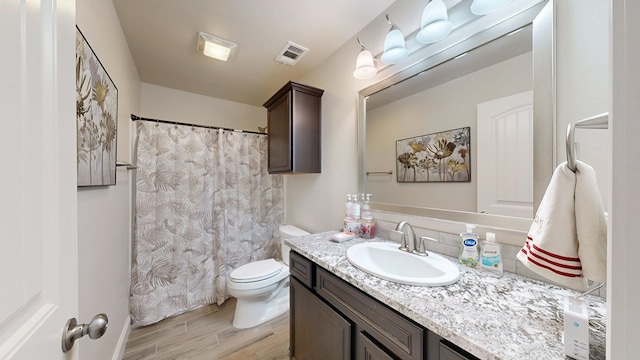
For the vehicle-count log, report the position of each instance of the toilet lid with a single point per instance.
(256, 271)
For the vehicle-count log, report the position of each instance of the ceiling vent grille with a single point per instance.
(291, 53)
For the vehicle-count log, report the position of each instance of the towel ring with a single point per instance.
(595, 122)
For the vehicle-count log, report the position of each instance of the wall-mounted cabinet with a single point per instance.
(294, 126)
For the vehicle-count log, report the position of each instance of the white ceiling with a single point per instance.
(162, 36)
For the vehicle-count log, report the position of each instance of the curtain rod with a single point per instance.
(136, 117)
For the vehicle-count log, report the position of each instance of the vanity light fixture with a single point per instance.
(394, 47)
(215, 47)
(435, 24)
(483, 7)
(365, 67)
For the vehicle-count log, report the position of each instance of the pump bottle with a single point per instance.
(491, 259)
(469, 254)
(368, 225)
(352, 218)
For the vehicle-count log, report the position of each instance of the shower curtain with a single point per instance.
(205, 205)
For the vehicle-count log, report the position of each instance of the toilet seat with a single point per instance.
(256, 271)
(252, 284)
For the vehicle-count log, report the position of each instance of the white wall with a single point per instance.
(104, 212)
(583, 88)
(175, 105)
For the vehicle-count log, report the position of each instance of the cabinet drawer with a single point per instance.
(448, 351)
(301, 268)
(399, 335)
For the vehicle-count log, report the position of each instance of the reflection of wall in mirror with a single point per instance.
(448, 106)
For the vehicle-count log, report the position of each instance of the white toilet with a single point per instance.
(262, 287)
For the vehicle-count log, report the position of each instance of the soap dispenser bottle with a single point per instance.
(352, 219)
(469, 254)
(491, 258)
(368, 225)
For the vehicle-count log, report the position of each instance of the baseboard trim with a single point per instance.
(122, 342)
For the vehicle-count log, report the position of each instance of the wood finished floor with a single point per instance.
(207, 334)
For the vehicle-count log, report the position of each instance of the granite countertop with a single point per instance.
(511, 317)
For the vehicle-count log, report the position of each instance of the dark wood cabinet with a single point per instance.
(320, 332)
(331, 319)
(294, 116)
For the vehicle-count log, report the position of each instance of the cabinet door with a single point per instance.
(317, 331)
(280, 141)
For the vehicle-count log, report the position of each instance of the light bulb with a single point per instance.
(435, 24)
(365, 68)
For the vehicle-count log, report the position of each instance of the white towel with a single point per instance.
(567, 241)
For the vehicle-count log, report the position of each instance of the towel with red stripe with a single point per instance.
(567, 241)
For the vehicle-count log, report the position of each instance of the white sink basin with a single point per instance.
(386, 261)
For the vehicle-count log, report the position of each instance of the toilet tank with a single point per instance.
(288, 231)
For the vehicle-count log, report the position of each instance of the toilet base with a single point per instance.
(253, 312)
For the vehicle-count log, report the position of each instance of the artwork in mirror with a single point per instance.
(443, 91)
(439, 157)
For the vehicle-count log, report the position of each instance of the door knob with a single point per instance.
(72, 331)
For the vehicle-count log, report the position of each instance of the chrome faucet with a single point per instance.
(403, 242)
(418, 245)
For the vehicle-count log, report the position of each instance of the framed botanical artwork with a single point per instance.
(96, 116)
(440, 157)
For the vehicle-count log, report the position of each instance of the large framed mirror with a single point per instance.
(499, 83)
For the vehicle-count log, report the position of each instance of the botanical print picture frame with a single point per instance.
(96, 116)
(440, 157)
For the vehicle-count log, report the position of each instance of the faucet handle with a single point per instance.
(396, 235)
(421, 246)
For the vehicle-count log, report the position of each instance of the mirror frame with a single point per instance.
(542, 16)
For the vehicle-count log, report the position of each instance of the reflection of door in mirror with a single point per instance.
(505, 156)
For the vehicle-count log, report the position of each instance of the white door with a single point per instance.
(38, 218)
(505, 156)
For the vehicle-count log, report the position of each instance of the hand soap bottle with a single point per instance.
(469, 254)
(368, 225)
(352, 218)
(491, 258)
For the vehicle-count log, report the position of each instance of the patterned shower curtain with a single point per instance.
(205, 205)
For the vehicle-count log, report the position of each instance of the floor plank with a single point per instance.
(207, 333)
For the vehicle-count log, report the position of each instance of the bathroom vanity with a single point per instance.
(340, 312)
(359, 325)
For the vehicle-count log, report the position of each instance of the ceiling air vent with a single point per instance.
(291, 53)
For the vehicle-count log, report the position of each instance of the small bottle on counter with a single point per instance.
(352, 218)
(368, 225)
(469, 254)
(491, 257)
